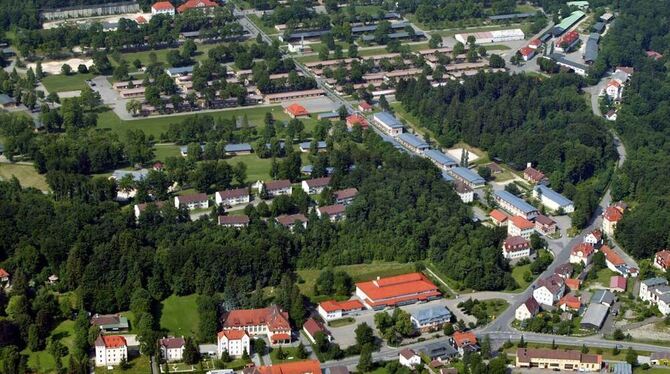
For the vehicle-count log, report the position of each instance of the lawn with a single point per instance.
(179, 315)
(517, 274)
(341, 322)
(62, 83)
(138, 365)
(289, 353)
(43, 361)
(603, 278)
(163, 151)
(161, 55)
(26, 174)
(257, 168)
(259, 23)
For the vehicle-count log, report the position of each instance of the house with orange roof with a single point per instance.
(582, 252)
(4, 277)
(573, 284)
(271, 322)
(498, 217)
(357, 120)
(611, 218)
(595, 238)
(614, 89)
(519, 226)
(527, 53)
(296, 110)
(293, 367)
(233, 341)
(204, 5)
(398, 290)
(661, 260)
(140, 20)
(162, 7)
(464, 341)
(311, 327)
(535, 43)
(616, 263)
(330, 309)
(570, 302)
(515, 247)
(533, 175)
(110, 350)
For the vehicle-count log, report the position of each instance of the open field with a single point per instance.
(62, 83)
(179, 315)
(138, 365)
(517, 274)
(289, 352)
(26, 174)
(43, 361)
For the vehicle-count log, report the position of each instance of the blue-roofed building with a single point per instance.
(184, 70)
(440, 159)
(447, 177)
(467, 176)
(320, 146)
(552, 199)
(412, 142)
(137, 175)
(387, 122)
(515, 205)
(238, 149)
(430, 318)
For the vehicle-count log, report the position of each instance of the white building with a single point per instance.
(515, 247)
(110, 350)
(235, 342)
(582, 252)
(315, 186)
(519, 226)
(614, 89)
(549, 290)
(552, 199)
(334, 212)
(527, 310)
(276, 187)
(193, 201)
(647, 287)
(331, 310)
(409, 358)
(388, 123)
(172, 349)
(232, 197)
(162, 7)
(466, 193)
(496, 36)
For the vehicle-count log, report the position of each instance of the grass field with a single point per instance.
(257, 21)
(603, 278)
(179, 315)
(288, 351)
(341, 322)
(62, 83)
(517, 274)
(138, 365)
(26, 174)
(43, 361)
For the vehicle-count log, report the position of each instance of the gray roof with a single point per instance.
(393, 35)
(137, 175)
(369, 28)
(432, 314)
(621, 368)
(515, 201)
(595, 315)
(620, 75)
(184, 148)
(320, 145)
(180, 70)
(435, 350)
(306, 34)
(501, 17)
(328, 115)
(412, 140)
(241, 147)
(602, 297)
(468, 175)
(591, 50)
(651, 282)
(6, 99)
(561, 59)
(554, 196)
(599, 26)
(440, 158)
(307, 169)
(388, 119)
(447, 177)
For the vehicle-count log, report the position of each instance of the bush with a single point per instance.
(82, 69)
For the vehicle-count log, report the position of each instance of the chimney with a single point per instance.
(529, 165)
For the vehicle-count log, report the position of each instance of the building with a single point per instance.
(617, 283)
(594, 317)
(439, 352)
(616, 263)
(515, 247)
(611, 218)
(466, 193)
(545, 225)
(430, 318)
(270, 322)
(293, 95)
(110, 322)
(660, 358)
(496, 36)
(595, 238)
(395, 291)
(576, 67)
(552, 199)
(570, 302)
(232, 197)
(307, 146)
(356, 120)
(611, 115)
(533, 175)
(290, 220)
(388, 123)
(604, 297)
(567, 22)
(236, 221)
(179, 71)
(648, 285)
(412, 142)
(567, 41)
(519, 226)
(110, 350)
(311, 327)
(527, 310)
(204, 5)
(527, 53)
(192, 201)
(346, 196)
(662, 260)
(233, 341)
(316, 185)
(498, 217)
(409, 358)
(276, 187)
(364, 106)
(582, 252)
(559, 360)
(515, 205)
(614, 89)
(654, 55)
(172, 349)
(162, 7)
(467, 176)
(293, 367)
(7, 101)
(138, 209)
(334, 212)
(238, 149)
(296, 110)
(440, 159)
(464, 341)
(591, 48)
(564, 270)
(331, 310)
(573, 284)
(339, 369)
(549, 290)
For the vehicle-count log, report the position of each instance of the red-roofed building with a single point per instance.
(357, 120)
(464, 341)
(498, 217)
(519, 226)
(533, 175)
(296, 110)
(515, 247)
(567, 41)
(330, 309)
(204, 5)
(569, 302)
(162, 7)
(617, 283)
(394, 291)
(527, 53)
(611, 218)
(654, 55)
(271, 322)
(573, 284)
(595, 238)
(294, 367)
(661, 260)
(4, 276)
(172, 349)
(614, 89)
(545, 225)
(334, 212)
(234, 341)
(345, 196)
(312, 327)
(110, 350)
(535, 43)
(140, 20)
(582, 252)
(364, 106)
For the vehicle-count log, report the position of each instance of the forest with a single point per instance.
(522, 119)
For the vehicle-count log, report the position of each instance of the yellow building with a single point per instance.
(557, 360)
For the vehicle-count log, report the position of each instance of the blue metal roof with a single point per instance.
(467, 174)
(519, 203)
(412, 140)
(553, 195)
(447, 177)
(180, 70)
(430, 314)
(328, 115)
(440, 157)
(306, 145)
(137, 175)
(241, 147)
(388, 119)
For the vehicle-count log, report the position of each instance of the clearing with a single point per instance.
(26, 174)
(179, 315)
(43, 361)
(63, 83)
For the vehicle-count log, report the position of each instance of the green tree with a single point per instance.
(191, 354)
(364, 335)
(365, 362)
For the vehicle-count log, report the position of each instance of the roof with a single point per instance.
(328, 115)
(468, 175)
(388, 119)
(561, 59)
(297, 110)
(321, 144)
(179, 70)
(110, 341)
(527, 354)
(192, 198)
(290, 219)
(568, 38)
(515, 243)
(534, 174)
(111, 320)
(617, 281)
(313, 326)
(564, 270)
(613, 214)
(655, 55)
(521, 223)
(162, 5)
(532, 305)
(357, 119)
(554, 196)
(412, 140)
(333, 306)
(573, 283)
(318, 182)
(432, 313)
(191, 4)
(340, 369)
(586, 249)
(462, 338)
(535, 42)
(3, 273)
(501, 17)
(595, 315)
(294, 367)
(407, 353)
(140, 19)
(172, 343)
(277, 184)
(346, 193)
(440, 158)
(234, 334)
(553, 283)
(621, 368)
(664, 255)
(657, 281)
(612, 256)
(233, 193)
(461, 187)
(234, 220)
(567, 22)
(272, 316)
(240, 147)
(517, 202)
(602, 297)
(365, 105)
(544, 220)
(332, 209)
(397, 286)
(137, 175)
(498, 215)
(526, 51)
(570, 301)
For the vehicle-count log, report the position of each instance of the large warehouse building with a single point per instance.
(395, 291)
(492, 36)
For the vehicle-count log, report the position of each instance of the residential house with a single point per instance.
(617, 264)
(293, 367)
(316, 185)
(534, 176)
(331, 310)
(397, 290)
(110, 322)
(570, 302)
(564, 270)
(617, 283)
(290, 220)
(203, 5)
(162, 7)
(334, 212)
(271, 322)
(515, 247)
(306, 147)
(467, 176)
(595, 238)
(346, 196)
(233, 341)
(545, 225)
(276, 187)
(356, 120)
(439, 352)
(552, 199)
(430, 318)
(409, 358)
(529, 309)
(364, 106)
(519, 226)
(237, 149)
(515, 205)
(388, 123)
(172, 349)
(611, 115)
(573, 284)
(498, 217)
(647, 286)
(312, 327)
(604, 297)
(567, 41)
(549, 290)
(614, 89)
(662, 260)
(556, 359)
(466, 193)
(663, 304)
(4, 277)
(582, 252)
(296, 110)
(464, 341)
(527, 53)
(192, 201)
(110, 350)
(412, 142)
(234, 221)
(232, 197)
(535, 43)
(654, 55)
(594, 317)
(134, 175)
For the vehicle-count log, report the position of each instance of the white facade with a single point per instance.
(410, 362)
(235, 342)
(664, 305)
(647, 288)
(467, 196)
(513, 255)
(190, 205)
(168, 11)
(543, 296)
(236, 200)
(312, 190)
(513, 230)
(329, 316)
(522, 313)
(110, 356)
(172, 354)
(614, 90)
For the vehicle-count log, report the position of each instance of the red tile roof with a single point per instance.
(110, 341)
(515, 243)
(332, 305)
(357, 119)
(614, 83)
(535, 43)
(233, 193)
(234, 220)
(297, 110)
(661, 258)
(365, 105)
(141, 20)
(295, 367)
(3, 273)
(196, 197)
(396, 289)
(280, 337)
(597, 234)
(313, 326)
(533, 174)
(234, 334)
(272, 316)
(277, 184)
(498, 215)
(332, 209)
(617, 281)
(407, 353)
(192, 4)
(573, 283)
(568, 38)
(345, 194)
(612, 256)
(570, 301)
(522, 223)
(162, 5)
(172, 343)
(318, 182)
(526, 51)
(586, 250)
(532, 305)
(553, 283)
(464, 338)
(290, 219)
(527, 354)
(655, 55)
(613, 214)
